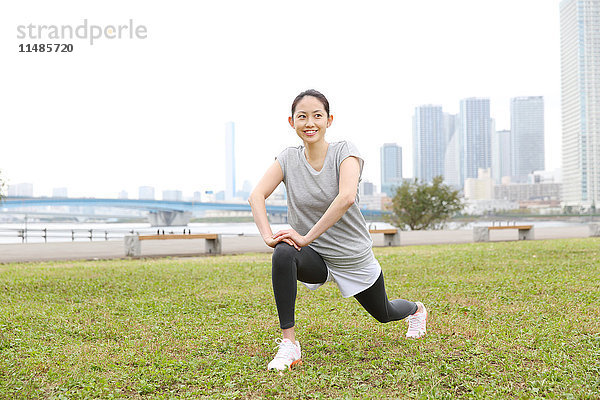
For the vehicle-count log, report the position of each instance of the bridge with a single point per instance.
(160, 212)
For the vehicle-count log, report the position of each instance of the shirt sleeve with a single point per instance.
(282, 159)
(348, 149)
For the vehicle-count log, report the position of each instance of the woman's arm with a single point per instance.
(267, 184)
(349, 176)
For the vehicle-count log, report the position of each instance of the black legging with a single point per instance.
(306, 265)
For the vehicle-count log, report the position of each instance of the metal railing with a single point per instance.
(71, 235)
(45, 234)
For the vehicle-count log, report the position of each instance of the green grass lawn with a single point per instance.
(507, 320)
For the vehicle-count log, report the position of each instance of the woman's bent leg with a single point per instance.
(375, 301)
(289, 266)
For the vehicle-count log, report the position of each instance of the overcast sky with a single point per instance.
(123, 113)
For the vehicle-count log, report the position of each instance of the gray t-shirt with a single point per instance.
(346, 247)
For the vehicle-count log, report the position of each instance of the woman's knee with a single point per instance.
(283, 255)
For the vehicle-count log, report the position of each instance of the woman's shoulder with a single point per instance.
(344, 146)
(291, 151)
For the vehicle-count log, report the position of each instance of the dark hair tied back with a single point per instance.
(313, 93)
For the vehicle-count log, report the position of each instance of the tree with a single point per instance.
(419, 205)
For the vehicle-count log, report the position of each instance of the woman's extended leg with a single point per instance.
(375, 301)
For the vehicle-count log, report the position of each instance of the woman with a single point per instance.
(329, 239)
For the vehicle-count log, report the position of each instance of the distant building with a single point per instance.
(475, 131)
(453, 162)
(480, 188)
(60, 192)
(451, 125)
(526, 136)
(229, 161)
(366, 188)
(20, 190)
(528, 192)
(428, 142)
(123, 195)
(245, 192)
(172, 195)
(391, 168)
(374, 201)
(580, 86)
(554, 176)
(500, 155)
(146, 193)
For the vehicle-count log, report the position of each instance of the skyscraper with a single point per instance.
(452, 162)
(391, 168)
(526, 136)
(450, 127)
(229, 161)
(475, 131)
(580, 87)
(452, 150)
(428, 142)
(500, 155)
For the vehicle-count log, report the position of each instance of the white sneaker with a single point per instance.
(288, 355)
(417, 323)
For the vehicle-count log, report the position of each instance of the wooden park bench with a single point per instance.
(391, 237)
(133, 246)
(482, 233)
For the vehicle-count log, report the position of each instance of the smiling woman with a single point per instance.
(329, 239)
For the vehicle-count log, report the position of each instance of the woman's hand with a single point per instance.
(291, 237)
(273, 242)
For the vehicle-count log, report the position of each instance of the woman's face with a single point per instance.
(310, 120)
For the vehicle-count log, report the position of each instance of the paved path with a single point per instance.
(241, 244)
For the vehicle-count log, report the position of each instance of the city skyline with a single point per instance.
(121, 114)
(444, 144)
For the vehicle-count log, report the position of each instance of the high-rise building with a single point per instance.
(580, 87)
(452, 163)
(391, 168)
(475, 131)
(229, 161)
(500, 155)
(146, 193)
(450, 127)
(428, 142)
(526, 136)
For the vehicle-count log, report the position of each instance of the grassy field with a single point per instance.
(507, 320)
